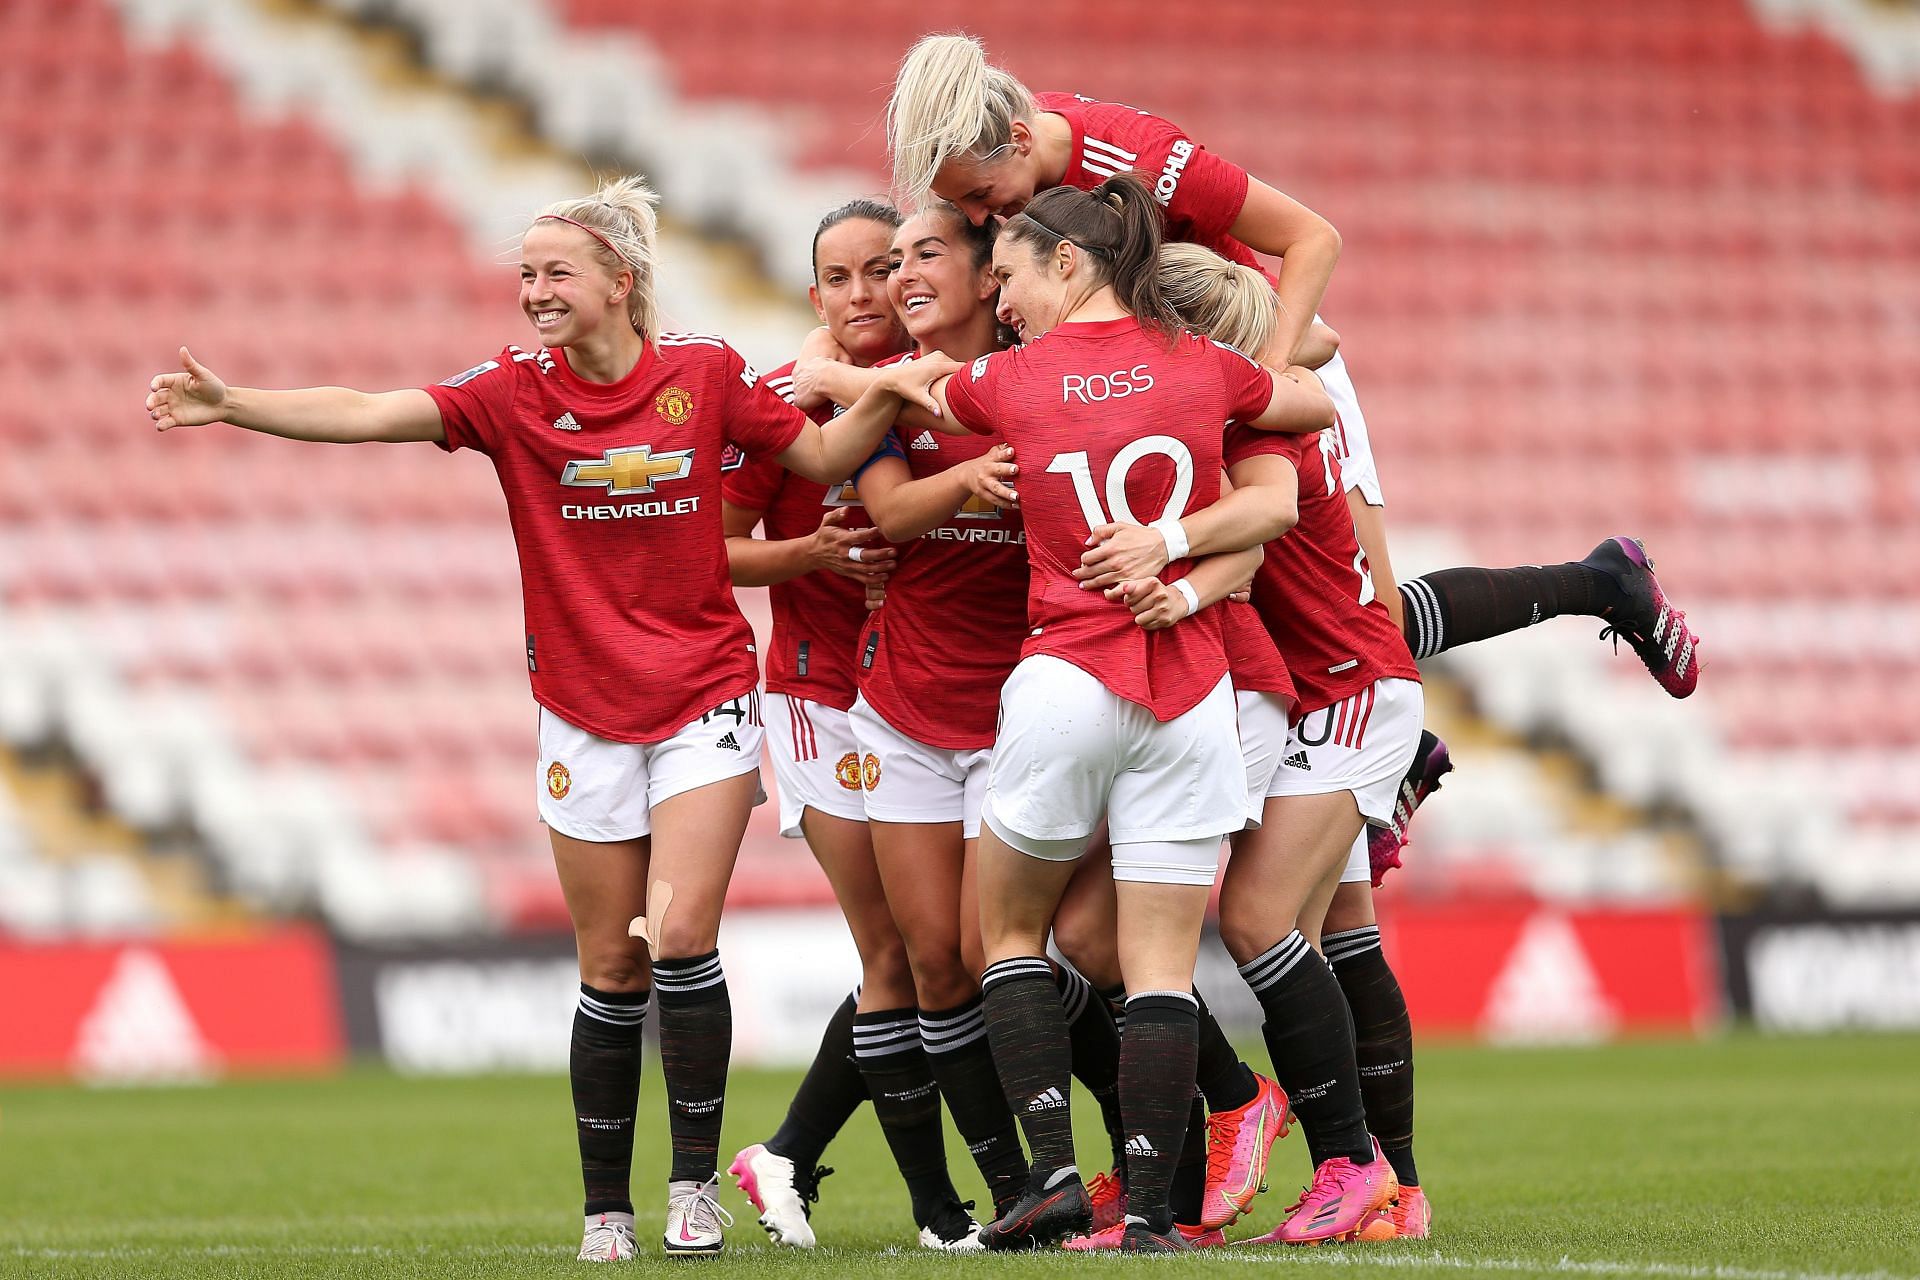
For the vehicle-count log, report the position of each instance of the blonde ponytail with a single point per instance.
(621, 219)
(1227, 301)
(948, 101)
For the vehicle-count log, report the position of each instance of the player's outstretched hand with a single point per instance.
(819, 349)
(1121, 553)
(1155, 605)
(990, 477)
(190, 399)
(860, 554)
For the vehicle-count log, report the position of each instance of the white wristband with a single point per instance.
(1185, 588)
(1175, 536)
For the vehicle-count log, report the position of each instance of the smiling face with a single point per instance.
(995, 186)
(849, 293)
(1033, 283)
(566, 289)
(935, 285)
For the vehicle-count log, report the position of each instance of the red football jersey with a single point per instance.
(1253, 660)
(933, 657)
(1109, 422)
(816, 616)
(1202, 193)
(1313, 590)
(613, 491)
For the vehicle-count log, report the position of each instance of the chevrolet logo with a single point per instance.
(628, 471)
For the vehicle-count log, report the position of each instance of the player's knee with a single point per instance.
(1089, 947)
(944, 982)
(616, 968)
(886, 976)
(686, 936)
(1244, 931)
(1351, 908)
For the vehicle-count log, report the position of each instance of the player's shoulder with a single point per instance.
(780, 381)
(511, 364)
(693, 354)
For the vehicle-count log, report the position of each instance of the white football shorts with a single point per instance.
(592, 788)
(908, 781)
(816, 762)
(1071, 752)
(1263, 737)
(1364, 744)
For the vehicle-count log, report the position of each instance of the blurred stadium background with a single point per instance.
(1639, 267)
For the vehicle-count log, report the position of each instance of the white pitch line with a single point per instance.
(1559, 1266)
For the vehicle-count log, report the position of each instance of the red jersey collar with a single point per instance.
(606, 391)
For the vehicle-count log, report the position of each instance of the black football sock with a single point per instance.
(1383, 1042)
(1226, 1081)
(1116, 998)
(603, 1066)
(696, 1043)
(1031, 1051)
(962, 1060)
(1309, 1035)
(1096, 1051)
(1451, 607)
(1156, 1088)
(1190, 1175)
(907, 1103)
(829, 1094)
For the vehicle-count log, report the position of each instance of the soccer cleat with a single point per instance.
(1343, 1199)
(1656, 630)
(609, 1238)
(1430, 763)
(1108, 1193)
(1238, 1144)
(1103, 1240)
(1412, 1215)
(1140, 1238)
(1201, 1237)
(696, 1223)
(952, 1229)
(780, 1192)
(1047, 1212)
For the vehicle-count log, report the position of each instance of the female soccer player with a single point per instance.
(972, 133)
(1104, 718)
(607, 440)
(813, 534)
(1233, 304)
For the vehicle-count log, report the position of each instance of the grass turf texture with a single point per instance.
(1742, 1159)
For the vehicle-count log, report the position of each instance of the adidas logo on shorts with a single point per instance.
(1298, 760)
(1047, 1101)
(566, 422)
(728, 742)
(1138, 1145)
(924, 440)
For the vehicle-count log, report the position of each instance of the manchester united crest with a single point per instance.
(870, 771)
(673, 404)
(847, 772)
(559, 781)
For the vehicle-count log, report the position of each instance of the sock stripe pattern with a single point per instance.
(955, 1030)
(1276, 962)
(1350, 943)
(685, 977)
(596, 1006)
(1075, 991)
(1017, 967)
(898, 1033)
(1421, 607)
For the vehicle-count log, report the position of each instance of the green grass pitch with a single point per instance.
(1739, 1159)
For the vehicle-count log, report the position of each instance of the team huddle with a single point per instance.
(1078, 568)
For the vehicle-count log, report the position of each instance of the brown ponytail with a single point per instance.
(1119, 225)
